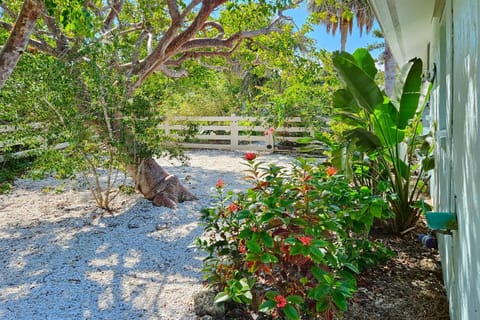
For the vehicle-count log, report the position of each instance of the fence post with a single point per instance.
(166, 125)
(234, 132)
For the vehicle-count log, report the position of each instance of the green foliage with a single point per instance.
(384, 141)
(297, 237)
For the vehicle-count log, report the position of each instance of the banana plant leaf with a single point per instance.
(407, 92)
(358, 81)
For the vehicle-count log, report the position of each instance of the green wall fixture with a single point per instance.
(440, 220)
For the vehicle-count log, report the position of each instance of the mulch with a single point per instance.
(408, 286)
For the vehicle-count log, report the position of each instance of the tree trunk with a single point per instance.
(19, 37)
(156, 184)
(389, 65)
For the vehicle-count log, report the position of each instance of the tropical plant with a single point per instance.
(386, 135)
(291, 245)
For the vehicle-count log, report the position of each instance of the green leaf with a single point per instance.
(295, 299)
(320, 243)
(267, 306)
(267, 239)
(322, 306)
(317, 255)
(365, 140)
(319, 292)
(253, 246)
(339, 300)
(318, 273)
(365, 61)
(344, 101)
(428, 163)
(384, 120)
(352, 267)
(268, 258)
(362, 87)
(221, 297)
(408, 90)
(290, 312)
(271, 295)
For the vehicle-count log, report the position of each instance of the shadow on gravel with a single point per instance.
(136, 264)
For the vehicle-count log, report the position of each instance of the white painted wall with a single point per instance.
(455, 48)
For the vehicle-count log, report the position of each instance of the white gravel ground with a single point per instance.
(61, 259)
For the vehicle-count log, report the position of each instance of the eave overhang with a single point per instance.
(407, 25)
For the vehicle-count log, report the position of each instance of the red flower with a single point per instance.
(305, 240)
(331, 171)
(233, 207)
(269, 131)
(242, 249)
(220, 183)
(266, 269)
(281, 301)
(249, 156)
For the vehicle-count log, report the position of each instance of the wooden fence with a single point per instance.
(235, 133)
(226, 133)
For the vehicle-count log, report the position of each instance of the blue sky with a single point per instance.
(328, 41)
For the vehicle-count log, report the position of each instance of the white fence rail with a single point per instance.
(235, 133)
(226, 133)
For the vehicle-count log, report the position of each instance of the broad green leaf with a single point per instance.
(317, 255)
(385, 127)
(343, 101)
(268, 258)
(221, 297)
(318, 273)
(428, 163)
(365, 140)
(254, 247)
(339, 300)
(267, 306)
(410, 85)
(365, 61)
(362, 87)
(319, 291)
(352, 267)
(294, 299)
(267, 239)
(290, 312)
(322, 306)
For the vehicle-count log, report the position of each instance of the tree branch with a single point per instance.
(173, 9)
(172, 73)
(8, 11)
(170, 42)
(114, 10)
(215, 25)
(19, 37)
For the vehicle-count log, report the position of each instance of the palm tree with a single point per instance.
(339, 15)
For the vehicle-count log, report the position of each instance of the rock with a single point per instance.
(157, 185)
(204, 305)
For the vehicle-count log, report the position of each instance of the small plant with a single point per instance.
(291, 245)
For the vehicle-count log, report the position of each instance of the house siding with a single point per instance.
(455, 102)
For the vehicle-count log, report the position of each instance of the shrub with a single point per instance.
(291, 245)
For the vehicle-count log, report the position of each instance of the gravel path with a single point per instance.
(61, 259)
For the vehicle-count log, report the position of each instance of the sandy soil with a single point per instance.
(62, 258)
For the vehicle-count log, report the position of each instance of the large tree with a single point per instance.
(116, 46)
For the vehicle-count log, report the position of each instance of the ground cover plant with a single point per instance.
(291, 245)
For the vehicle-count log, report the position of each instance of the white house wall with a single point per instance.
(466, 158)
(455, 49)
